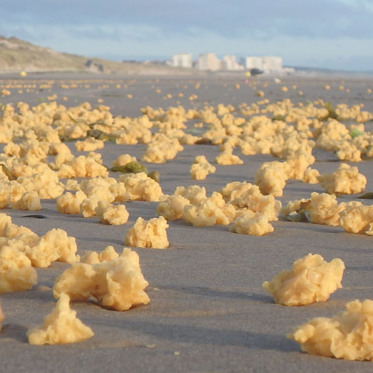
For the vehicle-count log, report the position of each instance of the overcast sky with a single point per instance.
(313, 33)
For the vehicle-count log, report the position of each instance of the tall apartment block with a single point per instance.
(208, 61)
(182, 60)
(230, 63)
(266, 64)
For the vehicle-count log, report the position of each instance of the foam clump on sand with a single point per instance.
(271, 177)
(357, 218)
(55, 245)
(310, 280)
(345, 180)
(227, 158)
(60, 327)
(16, 271)
(82, 166)
(28, 201)
(148, 234)
(321, 208)
(349, 144)
(111, 214)
(84, 198)
(210, 211)
(201, 168)
(255, 224)
(161, 149)
(172, 207)
(93, 257)
(69, 203)
(90, 144)
(115, 281)
(247, 197)
(324, 209)
(124, 159)
(193, 193)
(24, 192)
(141, 187)
(345, 336)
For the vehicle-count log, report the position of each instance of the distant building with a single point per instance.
(182, 60)
(208, 61)
(253, 63)
(272, 64)
(267, 64)
(230, 63)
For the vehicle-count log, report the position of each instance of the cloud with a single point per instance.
(264, 18)
(301, 31)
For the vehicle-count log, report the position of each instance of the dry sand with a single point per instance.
(208, 312)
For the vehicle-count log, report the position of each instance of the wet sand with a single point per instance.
(208, 312)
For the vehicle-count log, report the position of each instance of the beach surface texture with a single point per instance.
(208, 311)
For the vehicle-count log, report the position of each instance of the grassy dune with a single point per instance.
(18, 55)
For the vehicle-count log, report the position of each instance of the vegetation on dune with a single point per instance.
(18, 55)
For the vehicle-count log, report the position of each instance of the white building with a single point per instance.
(182, 60)
(267, 64)
(253, 63)
(208, 61)
(230, 63)
(272, 64)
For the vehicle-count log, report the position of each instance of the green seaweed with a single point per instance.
(279, 117)
(332, 114)
(355, 133)
(7, 172)
(100, 135)
(155, 175)
(368, 195)
(133, 167)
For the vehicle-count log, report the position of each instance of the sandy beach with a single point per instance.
(207, 311)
